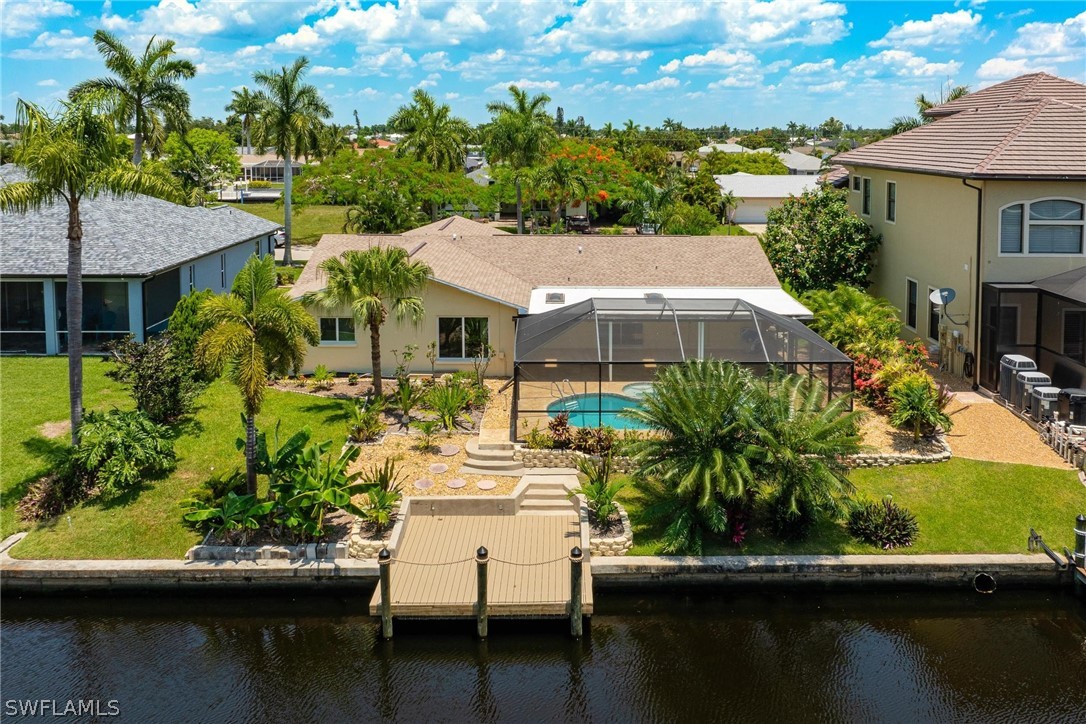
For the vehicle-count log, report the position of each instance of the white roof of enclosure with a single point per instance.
(773, 299)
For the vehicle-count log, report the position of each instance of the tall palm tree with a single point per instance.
(245, 106)
(520, 135)
(561, 181)
(373, 284)
(292, 114)
(728, 202)
(70, 157)
(608, 130)
(800, 446)
(255, 330)
(431, 135)
(146, 91)
(900, 124)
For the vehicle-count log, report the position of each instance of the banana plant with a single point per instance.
(236, 514)
(319, 483)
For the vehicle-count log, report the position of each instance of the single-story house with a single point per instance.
(761, 193)
(140, 255)
(988, 199)
(800, 164)
(484, 279)
(267, 167)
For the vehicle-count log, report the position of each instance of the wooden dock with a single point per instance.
(433, 570)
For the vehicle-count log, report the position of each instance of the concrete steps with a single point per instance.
(491, 459)
(547, 493)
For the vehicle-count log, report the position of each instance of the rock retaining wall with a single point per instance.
(307, 552)
(885, 460)
(360, 547)
(618, 545)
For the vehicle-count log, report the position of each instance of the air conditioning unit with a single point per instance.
(1009, 367)
(1072, 405)
(1026, 382)
(1044, 403)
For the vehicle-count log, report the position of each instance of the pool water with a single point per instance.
(597, 410)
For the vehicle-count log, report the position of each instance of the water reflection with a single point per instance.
(772, 658)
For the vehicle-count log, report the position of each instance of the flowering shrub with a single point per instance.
(868, 386)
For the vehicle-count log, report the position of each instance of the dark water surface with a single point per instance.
(779, 657)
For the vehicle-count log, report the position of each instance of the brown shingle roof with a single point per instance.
(507, 267)
(1032, 86)
(1043, 139)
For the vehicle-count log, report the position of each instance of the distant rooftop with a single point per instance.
(749, 186)
(1031, 86)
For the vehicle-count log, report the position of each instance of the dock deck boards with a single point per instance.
(433, 572)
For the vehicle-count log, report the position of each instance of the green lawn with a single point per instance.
(310, 222)
(146, 524)
(962, 506)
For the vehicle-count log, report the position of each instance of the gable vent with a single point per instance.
(556, 298)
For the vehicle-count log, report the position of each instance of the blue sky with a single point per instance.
(747, 63)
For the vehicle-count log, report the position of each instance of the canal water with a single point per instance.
(677, 657)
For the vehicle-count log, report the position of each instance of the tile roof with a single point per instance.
(133, 236)
(1027, 138)
(507, 267)
(1031, 86)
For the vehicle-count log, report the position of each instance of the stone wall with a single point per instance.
(360, 547)
(308, 551)
(614, 545)
(885, 460)
(566, 459)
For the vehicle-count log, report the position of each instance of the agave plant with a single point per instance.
(598, 489)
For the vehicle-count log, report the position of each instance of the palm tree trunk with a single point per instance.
(375, 356)
(288, 185)
(74, 311)
(520, 211)
(137, 141)
(250, 454)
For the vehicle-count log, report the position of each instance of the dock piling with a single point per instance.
(384, 561)
(1079, 562)
(576, 623)
(482, 557)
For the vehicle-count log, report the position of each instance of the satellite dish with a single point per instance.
(943, 296)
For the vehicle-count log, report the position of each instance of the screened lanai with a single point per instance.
(597, 357)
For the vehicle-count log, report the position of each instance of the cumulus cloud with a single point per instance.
(24, 18)
(616, 57)
(900, 63)
(64, 45)
(48, 83)
(715, 57)
(822, 66)
(1062, 42)
(525, 84)
(629, 71)
(665, 83)
(942, 30)
(997, 69)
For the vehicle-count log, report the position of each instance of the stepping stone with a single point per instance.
(486, 485)
(448, 451)
(439, 468)
(424, 483)
(456, 483)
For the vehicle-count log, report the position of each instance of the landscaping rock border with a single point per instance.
(885, 460)
(360, 547)
(304, 552)
(615, 545)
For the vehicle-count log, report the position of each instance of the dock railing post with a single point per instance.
(1080, 541)
(482, 557)
(384, 565)
(576, 560)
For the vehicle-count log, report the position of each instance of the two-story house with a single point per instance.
(987, 200)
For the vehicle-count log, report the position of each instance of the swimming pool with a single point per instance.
(596, 410)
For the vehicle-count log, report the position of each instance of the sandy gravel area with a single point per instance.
(989, 431)
(879, 436)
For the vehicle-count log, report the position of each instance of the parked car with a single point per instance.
(577, 223)
(648, 229)
(280, 237)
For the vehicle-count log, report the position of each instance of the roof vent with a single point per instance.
(654, 297)
(556, 298)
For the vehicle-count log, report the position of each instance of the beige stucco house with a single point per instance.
(987, 200)
(484, 278)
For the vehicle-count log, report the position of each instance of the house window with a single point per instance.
(105, 313)
(1049, 226)
(192, 277)
(891, 201)
(1074, 333)
(22, 317)
(911, 292)
(336, 330)
(222, 271)
(856, 181)
(933, 317)
(462, 337)
(866, 207)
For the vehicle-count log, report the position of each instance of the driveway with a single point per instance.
(754, 228)
(298, 252)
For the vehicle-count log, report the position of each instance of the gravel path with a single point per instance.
(988, 431)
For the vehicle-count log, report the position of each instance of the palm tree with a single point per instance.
(520, 135)
(900, 124)
(728, 202)
(255, 330)
(146, 91)
(70, 157)
(800, 449)
(697, 462)
(561, 181)
(431, 135)
(608, 130)
(373, 284)
(245, 106)
(649, 204)
(291, 118)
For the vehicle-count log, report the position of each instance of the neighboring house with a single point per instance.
(267, 167)
(759, 193)
(140, 255)
(722, 148)
(988, 200)
(800, 164)
(483, 278)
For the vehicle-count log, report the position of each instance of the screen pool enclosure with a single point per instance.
(595, 358)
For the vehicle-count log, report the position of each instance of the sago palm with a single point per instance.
(696, 460)
(373, 284)
(290, 120)
(245, 105)
(253, 331)
(801, 441)
(145, 91)
(519, 135)
(68, 158)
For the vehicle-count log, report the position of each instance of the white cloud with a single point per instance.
(941, 31)
(822, 66)
(330, 70)
(717, 57)
(60, 45)
(629, 71)
(665, 83)
(23, 18)
(199, 18)
(1017, 14)
(391, 60)
(900, 63)
(1062, 42)
(438, 60)
(306, 38)
(367, 93)
(997, 69)
(525, 84)
(615, 57)
(451, 96)
(833, 86)
(48, 83)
